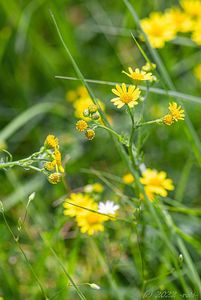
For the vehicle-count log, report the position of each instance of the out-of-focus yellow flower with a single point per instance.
(180, 20)
(197, 72)
(176, 111)
(97, 187)
(191, 7)
(91, 222)
(125, 96)
(51, 141)
(82, 104)
(71, 95)
(128, 178)
(156, 183)
(158, 29)
(81, 125)
(168, 119)
(82, 92)
(75, 204)
(139, 75)
(196, 35)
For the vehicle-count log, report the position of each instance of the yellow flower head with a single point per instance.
(81, 125)
(92, 108)
(51, 141)
(82, 92)
(91, 222)
(180, 20)
(57, 158)
(191, 7)
(158, 29)
(71, 96)
(90, 134)
(97, 187)
(176, 111)
(196, 35)
(139, 75)
(156, 183)
(125, 96)
(168, 119)
(75, 204)
(128, 178)
(197, 72)
(54, 178)
(50, 165)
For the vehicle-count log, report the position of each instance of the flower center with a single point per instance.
(92, 219)
(137, 76)
(126, 98)
(155, 182)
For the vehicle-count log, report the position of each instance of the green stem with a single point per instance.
(130, 147)
(157, 121)
(23, 253)
(110, 130)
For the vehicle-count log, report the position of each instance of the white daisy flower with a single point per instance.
(108, 208)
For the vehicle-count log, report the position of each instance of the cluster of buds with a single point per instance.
(82, 126)
(54, 166)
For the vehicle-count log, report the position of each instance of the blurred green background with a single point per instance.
(31, 55)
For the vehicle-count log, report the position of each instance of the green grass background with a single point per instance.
(31, 55)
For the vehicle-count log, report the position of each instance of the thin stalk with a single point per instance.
(23, 253)
(109, 130)
(130, 147)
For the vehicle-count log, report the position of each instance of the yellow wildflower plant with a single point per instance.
(91, 222)
(90, 134)
(191, 7)
(128, 96)
(197, 72)
(139, 75)
(74, 205)
(156, 183)
(128, 178)
(158, 28)
(179, 19)
(176, 111)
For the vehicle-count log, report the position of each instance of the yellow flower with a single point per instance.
(97, 187)
(50, 165)
(176, 111)
(82, 104)
(191, 7)
(139, 75)
(197, 72)
(51, 141)
(158, 29)
(90, 134)
(75, 204)
(125, 96)
(180, 20)
(54, 178)
(92, 108)
(168, 119)
(196, 35)
(82, 92)
(91, 222)
(71, 96)
(81, 125)
(156, 183)
(128, 178)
